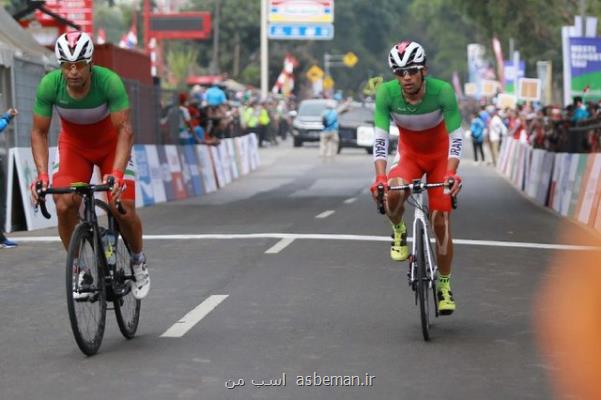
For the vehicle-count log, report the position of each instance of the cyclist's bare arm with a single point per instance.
(39, 145)
(125, 138)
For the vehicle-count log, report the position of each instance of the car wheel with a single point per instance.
(370, 150)
(298, 142)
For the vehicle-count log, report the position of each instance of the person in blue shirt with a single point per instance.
(214, 96)
(328, 139)
(4, 121)
(477, 128)
(580, 111)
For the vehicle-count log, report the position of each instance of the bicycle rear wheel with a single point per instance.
(86, 297)
(422, 282)
(127, 307)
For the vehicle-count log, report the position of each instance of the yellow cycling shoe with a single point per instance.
(446, 304)
(399, 251)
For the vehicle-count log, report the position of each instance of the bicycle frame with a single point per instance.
(420, 217)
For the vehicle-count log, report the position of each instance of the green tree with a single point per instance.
(181, 62)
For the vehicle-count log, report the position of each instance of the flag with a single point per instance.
(130, 39)
(101, 36)
(496, 45)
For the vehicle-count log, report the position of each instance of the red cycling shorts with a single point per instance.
(413, 165)
(75, 162)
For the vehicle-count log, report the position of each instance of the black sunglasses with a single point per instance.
(411, 71)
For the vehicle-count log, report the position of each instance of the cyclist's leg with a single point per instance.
(71, 166)
(403, 171)
(130, 224)
(440, 207)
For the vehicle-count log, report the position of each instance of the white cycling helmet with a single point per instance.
(73, 46)
(406, 54)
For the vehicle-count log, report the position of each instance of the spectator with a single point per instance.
(214, 96)
(264, 120)
(328, 143)
(185, 121)
(4, 121)
(477, 132)
(580, 111)
(497, 131)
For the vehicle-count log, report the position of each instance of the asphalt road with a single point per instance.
(313, 305)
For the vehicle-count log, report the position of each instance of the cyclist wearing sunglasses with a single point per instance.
(430, 142)
(93, 107)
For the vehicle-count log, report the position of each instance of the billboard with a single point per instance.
(184, 25)
(585, 67)
(510, 75)
(295, 11)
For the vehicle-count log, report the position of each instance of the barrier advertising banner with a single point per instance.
(548, 169)
(156, 175)
(143, 181)
(585, 67)
(219, 173)
(589, 196)
(242, 148)
(225, 162)
(207, 172)
(168, 182)
(26, 174)
(253, 151)
(231, 152)
(176, 172)
(186, 175)
(188, 155)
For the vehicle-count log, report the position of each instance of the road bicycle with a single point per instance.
(423, 269)
(98, 269)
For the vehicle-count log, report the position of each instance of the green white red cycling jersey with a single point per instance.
(429, 133)
(88, 136)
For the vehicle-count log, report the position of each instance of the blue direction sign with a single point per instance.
(301, 31)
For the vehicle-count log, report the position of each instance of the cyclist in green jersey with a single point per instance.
(430, 142)
(93, 107)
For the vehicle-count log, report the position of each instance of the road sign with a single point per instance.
(315, 73)
(301, 31)
(350, 59)
(328, 83)
(317, 11)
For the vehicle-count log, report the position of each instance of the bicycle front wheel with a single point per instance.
(422, 282)
(86, 297)
(127, 307)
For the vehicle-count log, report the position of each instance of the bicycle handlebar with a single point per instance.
(416, 187)
(73, 189)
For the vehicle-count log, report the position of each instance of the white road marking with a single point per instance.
(350, 201)
(325, 214)
(188, 321)
(279, 246)
(309, 236)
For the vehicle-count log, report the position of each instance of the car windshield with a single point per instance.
(357, 116)
(312, 108)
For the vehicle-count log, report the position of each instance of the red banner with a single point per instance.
(79, 12)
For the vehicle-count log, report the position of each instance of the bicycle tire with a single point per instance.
(83, 251)
(422, 283)
(127, 307)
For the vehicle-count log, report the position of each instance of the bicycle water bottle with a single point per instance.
(108, 242)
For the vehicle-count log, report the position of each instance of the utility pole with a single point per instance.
(264, 50)
(583, 17)
(215, 62)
